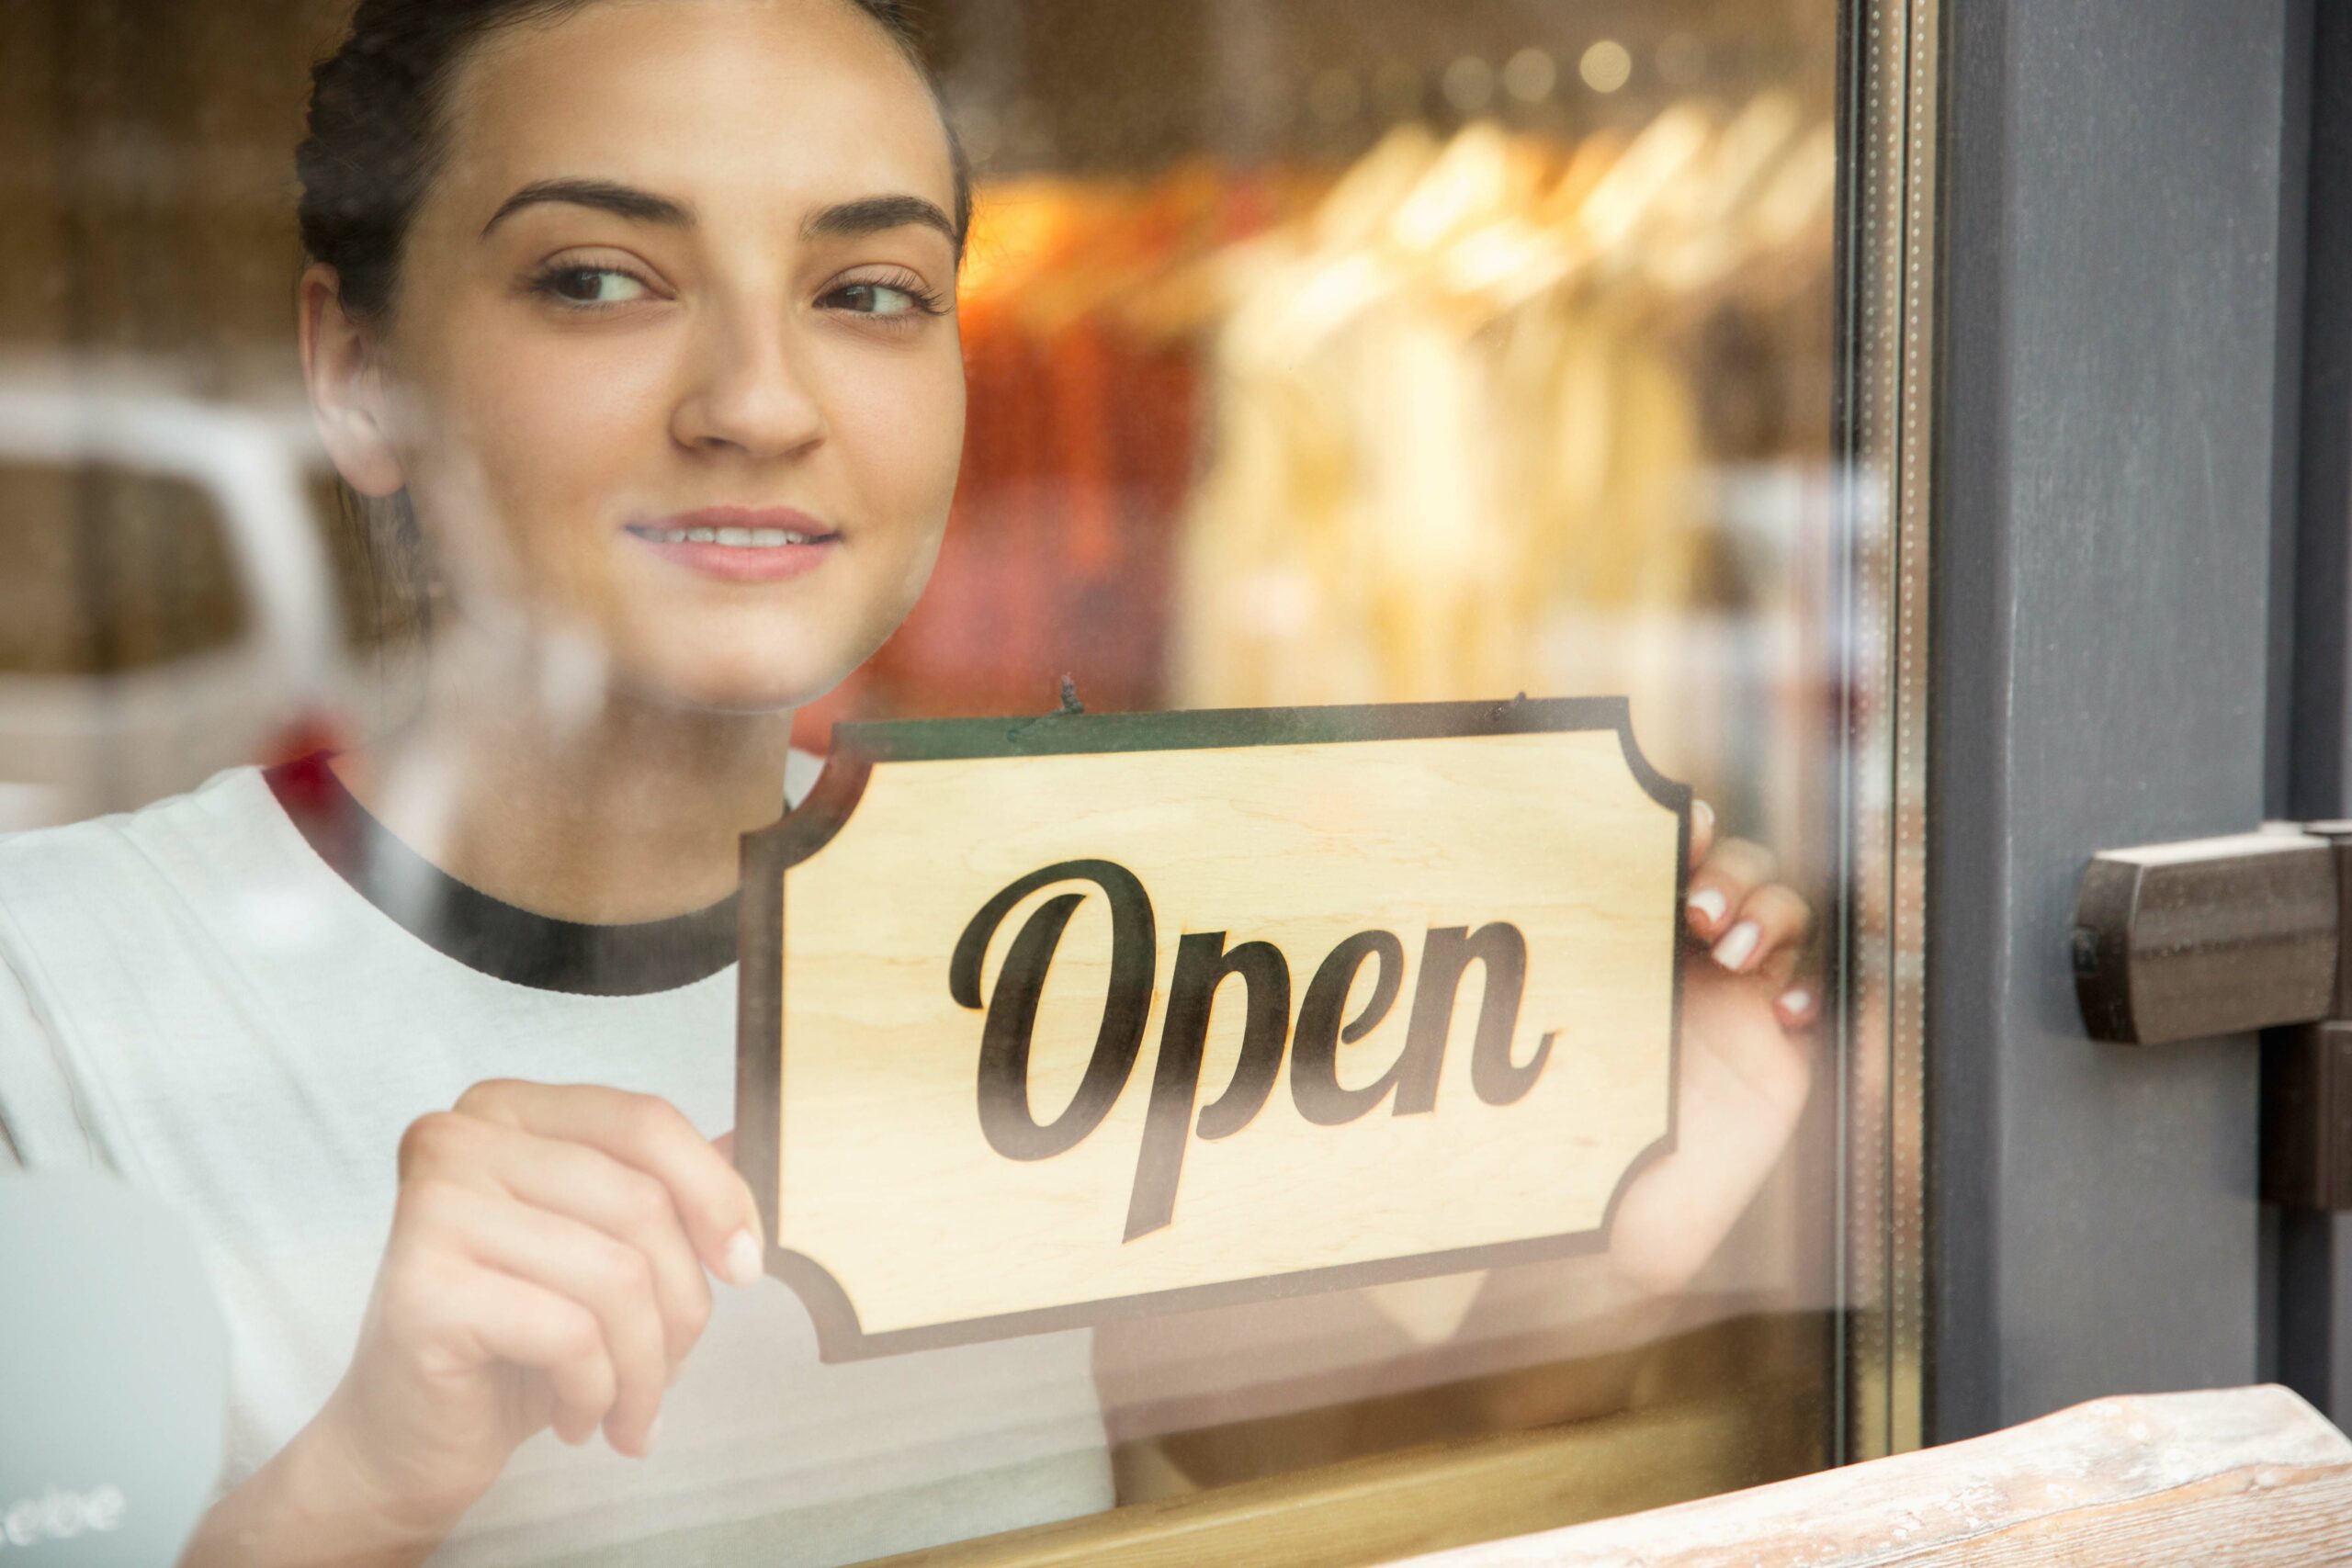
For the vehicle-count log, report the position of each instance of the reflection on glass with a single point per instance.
(1323, 351)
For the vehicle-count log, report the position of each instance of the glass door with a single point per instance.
(1317, 352)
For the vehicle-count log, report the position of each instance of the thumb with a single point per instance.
(725, 1145)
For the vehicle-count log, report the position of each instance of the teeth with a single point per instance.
(737, 539)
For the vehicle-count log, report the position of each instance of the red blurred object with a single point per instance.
(1083, 352)
(309, 734)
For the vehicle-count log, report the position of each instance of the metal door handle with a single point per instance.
(2220, 936)
(2179, 942)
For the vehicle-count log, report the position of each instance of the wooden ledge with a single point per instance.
(2251, 1477)
(1370, 1510)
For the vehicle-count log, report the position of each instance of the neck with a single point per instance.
(528, 776)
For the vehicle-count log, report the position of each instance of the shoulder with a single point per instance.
(229, 824)
(85, 910)
(139, 883)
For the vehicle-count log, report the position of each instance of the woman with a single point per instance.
(641, 316)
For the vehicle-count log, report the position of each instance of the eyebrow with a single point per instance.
(872, 214)
(867, 214)
(625, 201)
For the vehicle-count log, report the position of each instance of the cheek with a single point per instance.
(545, 415)
(899, 421)
(532, 439)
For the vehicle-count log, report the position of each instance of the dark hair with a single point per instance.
(376, 130)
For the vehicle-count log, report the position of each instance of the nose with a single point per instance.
(746, 393)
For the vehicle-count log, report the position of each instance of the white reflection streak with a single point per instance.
(242, 459)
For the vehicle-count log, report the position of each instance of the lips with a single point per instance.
(740, 544)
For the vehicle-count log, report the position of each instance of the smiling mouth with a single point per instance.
(740, 544)
(733, 538)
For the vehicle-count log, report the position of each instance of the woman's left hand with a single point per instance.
(1748, 1006)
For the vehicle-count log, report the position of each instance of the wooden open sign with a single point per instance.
(1051, 1021)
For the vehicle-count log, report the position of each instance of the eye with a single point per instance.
(592, 286)
(886, 299)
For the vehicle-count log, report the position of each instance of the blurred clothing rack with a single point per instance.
(1437, 423)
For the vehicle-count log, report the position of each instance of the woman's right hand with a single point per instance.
(545, 1268)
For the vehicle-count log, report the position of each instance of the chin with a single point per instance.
(763, 654)
(741, 677)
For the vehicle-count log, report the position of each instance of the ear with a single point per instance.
(341, 373)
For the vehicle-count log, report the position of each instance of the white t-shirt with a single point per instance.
(193, 998)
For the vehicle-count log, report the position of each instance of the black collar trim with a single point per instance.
(488, 934)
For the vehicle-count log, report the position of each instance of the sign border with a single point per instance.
(857, 749)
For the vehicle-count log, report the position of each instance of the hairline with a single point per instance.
(441, 96)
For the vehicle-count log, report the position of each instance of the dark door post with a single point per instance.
(2102, 591)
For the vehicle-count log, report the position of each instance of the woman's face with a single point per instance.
(673, 360)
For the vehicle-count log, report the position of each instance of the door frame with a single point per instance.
(2120, 239)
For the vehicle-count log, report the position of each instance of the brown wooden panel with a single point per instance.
(2248, 1477)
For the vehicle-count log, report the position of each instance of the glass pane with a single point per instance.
(430, 552)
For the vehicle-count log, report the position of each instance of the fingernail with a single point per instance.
(1797, 1002)
(1702, 814)
(743, 1259)
(1709, 904)
(1735, 950)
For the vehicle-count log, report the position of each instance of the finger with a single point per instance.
(620, 1200)
(1733, 869)
(1799, 1004)
(1702, 832)
(650, 1133)
(481, 1315)
(610, 1278)
(1770, 925)
(575, 1180)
